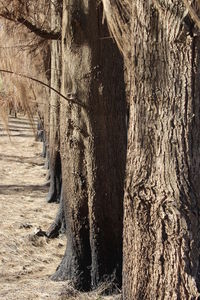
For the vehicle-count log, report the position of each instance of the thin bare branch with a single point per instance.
(192, 12)
(71, 99)
(49, 35)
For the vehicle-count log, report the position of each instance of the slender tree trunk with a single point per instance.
(45, 109)
(55, 174)
(54, 134)
(93, 147)
(161, 221)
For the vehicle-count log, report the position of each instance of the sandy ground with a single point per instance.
(26, 260)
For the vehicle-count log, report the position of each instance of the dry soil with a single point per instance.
(26, 260)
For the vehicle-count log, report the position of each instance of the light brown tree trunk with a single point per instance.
(161, 210)
(93, 147)
(54, 119)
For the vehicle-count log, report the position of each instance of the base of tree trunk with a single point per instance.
(54, 194)
(69, 269)
(59, 225)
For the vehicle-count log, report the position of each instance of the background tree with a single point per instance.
(93, 147)
(33, 41)
(54, 133)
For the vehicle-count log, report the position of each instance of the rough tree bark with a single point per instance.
(161, 221)
(93, 147)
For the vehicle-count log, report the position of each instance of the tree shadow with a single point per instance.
(21, 159)
(16, 135)
(10, 188)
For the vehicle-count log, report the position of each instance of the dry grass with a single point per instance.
(26, 260)
(68, 293)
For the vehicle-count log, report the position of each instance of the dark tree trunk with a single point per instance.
(59, 225)
(40, 130)
(93, 147)
(55, 178)
(44, 147)
(106, 160)
(46, 156)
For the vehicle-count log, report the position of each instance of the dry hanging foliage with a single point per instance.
(32, 14)
(193, 11)
(23, 52)
(119, 14)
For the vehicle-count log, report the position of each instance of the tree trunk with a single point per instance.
(54, 126)
(161, 210)
(93, 147)
(55, 173)
(59, 225)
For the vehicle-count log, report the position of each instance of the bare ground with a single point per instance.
(26, 260)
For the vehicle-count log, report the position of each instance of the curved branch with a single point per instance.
(71, 98)
(48, 35)
(192, 12)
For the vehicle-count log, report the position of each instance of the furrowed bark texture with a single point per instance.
(92, 168)
(54, 127)
(161, 212)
